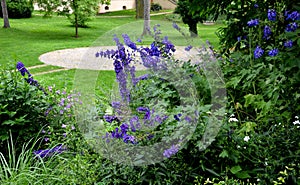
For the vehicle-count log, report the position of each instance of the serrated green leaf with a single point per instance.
(235, 169)
(243, 175)
(224, 154)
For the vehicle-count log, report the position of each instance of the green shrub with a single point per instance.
(155, 7)
(19, 8)
(22, 107)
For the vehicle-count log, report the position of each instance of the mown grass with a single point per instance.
(27, 39)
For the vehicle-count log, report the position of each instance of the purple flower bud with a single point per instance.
(258, 52)
(253, 22)
(291, 27)
(171, 151)
(273, 52)
(272, 15)
(288, 44)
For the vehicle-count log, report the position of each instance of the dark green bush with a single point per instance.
(22, 108)
(155, 7)
(18, 8)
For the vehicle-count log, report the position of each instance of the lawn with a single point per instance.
(27, 39)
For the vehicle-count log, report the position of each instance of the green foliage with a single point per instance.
(18, 8)
(264, 97)
(155, 7)
(188, 17)
(21, 167)
(22, 108)
(238, 14)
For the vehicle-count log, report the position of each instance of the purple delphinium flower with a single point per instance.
(63, 126)
(291, 27)
(128, 138)
(143, 77)
(116, 134)
(168, 45)
(295, 15)
(128, 42)
(177, 116)
(69, 105)
(176, 26)
(253, 22)
(272, 15)
(21, 67)
(256, 6)
(110, 118)
(49, 152)
(31, 81)
(188, 48)
(267, 32)
(62, 102)
(146, 110)
(258, 52)
(134, 123)
(288, 44)
(273, 52)
(124, 128)
(171, 151)
(139, 40)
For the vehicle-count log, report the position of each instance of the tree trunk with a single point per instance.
(75, 6)
(139, 4)
(146, 30)
(5, 14)
(76, 25)
(193, 29)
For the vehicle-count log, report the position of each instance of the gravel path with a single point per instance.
(84, 58)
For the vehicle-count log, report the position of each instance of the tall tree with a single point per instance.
(139, 4)
(147, 7)
(78, 11)
(5, 14)
(189, 17)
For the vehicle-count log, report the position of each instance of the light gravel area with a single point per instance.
(85, 58)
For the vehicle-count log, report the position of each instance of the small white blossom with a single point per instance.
(246, 138)
(296, 117)
(233, 120)
(296, 122)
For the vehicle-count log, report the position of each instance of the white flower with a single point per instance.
(296, 122)
(296, 117)
(246, 138)
(233, 120)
